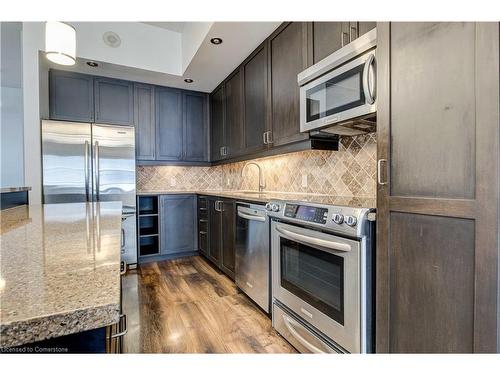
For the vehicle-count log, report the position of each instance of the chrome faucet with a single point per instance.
(262, 183)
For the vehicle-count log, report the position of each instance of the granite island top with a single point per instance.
(59, 270)
(266, 196)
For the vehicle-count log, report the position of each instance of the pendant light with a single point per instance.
(60, 43)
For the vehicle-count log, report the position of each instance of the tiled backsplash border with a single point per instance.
(351, 171)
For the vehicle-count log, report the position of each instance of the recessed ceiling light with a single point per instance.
(216, 41)
(92, 64)
(188, 80)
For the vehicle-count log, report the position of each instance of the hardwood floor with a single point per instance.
(187, 306)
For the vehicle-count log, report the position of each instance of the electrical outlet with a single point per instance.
(304, 180)
(173, 181)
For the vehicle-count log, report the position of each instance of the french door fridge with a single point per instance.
(84, 162)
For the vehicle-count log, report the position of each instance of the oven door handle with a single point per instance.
(334, 245)
(289, 325)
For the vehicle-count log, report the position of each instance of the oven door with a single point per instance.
(345, 93)
(317, 276)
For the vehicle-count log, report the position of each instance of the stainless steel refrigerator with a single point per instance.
(84, 162)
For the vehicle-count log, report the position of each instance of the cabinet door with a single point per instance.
(327, 37)
(114, 101)
(234, 114)
(169, 129)
(364, 27)
(215, 230)
(228, 237)
(178, 224)
(144, 101)
(195, 126)
(255, 94)
(288, 50)
(437, 205)
(71, 96)
(217, 132)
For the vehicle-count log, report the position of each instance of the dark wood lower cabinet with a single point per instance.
(228, 236)
(221, 221)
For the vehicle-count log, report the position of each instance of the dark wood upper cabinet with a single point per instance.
(169, 125)
(328, 37)
(144, 101)
(364, 27)
(437, 206)
(234, 114)
(228, 219)
(71, 96)
(217, 131)
(255, 99)
(195, 126)
(288, 57)
(114, 101)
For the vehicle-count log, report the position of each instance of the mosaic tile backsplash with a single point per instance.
(351, 171)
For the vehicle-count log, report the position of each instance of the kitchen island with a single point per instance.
(59, 270)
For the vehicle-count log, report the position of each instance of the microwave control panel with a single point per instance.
(306, 213)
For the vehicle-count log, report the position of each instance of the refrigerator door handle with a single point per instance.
(96, 169)
(87, 170)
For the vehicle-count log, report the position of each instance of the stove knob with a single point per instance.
(268, 206)
(275, 207)
(351, 221)
(338, 218)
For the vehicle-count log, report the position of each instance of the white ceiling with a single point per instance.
(206, 64)
(178, 27)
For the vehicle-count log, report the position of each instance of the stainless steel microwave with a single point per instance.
(338, 94)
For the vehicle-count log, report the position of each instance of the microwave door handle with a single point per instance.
(289, 325)
(251, 217)
(333, 245)
(369, 89)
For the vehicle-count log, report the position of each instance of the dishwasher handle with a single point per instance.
(251, 217)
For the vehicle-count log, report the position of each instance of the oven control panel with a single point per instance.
(306, 213)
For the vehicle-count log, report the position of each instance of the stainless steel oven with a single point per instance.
(338, 94)
(321, 278)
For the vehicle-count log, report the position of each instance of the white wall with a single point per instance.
(193, 35)
(32, 40)
(11, 106)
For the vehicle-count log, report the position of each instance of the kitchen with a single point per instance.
(325, 187)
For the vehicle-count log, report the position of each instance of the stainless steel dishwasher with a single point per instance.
(253, 253)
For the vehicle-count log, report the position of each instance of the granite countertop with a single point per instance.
(59, 270)
(15, 189)
(255, 196)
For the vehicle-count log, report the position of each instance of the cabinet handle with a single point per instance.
(351, 29)
(123, 327)
(342, 38)
(202, 232)
(203, 220)
(221, 151)
(264, 137)
(379, 172)
(269, 137)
